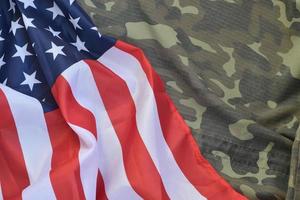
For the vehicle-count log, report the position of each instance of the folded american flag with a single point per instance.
(83, 116)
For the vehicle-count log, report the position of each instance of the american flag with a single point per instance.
(84, 116)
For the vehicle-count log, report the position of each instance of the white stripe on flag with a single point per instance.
(111, 165)
(88, 159)
(129, 69)
(34, 139)
(1, 196)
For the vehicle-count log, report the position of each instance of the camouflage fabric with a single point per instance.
(232, 67)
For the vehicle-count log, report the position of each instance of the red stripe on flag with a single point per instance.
(65, 172)
(179, 138)
(13, 174)
(120, 107)
(100, 195)
(71, 110)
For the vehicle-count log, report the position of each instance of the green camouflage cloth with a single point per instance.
(232, 67)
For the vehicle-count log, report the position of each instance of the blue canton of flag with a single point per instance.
(34, 50)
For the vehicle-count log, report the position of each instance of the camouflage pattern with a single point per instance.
(232, 67)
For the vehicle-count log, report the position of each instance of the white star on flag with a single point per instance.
(1, 38)
(30, 80)
(15, 26)
(12, 6)
(5, 82)
(96, 29)
(80, 45)
(55, 11)
(28, 22)
(53, 32)
(71, 2)
(75, 22)
(27, 3)
(22, 52)
(55, 50)
(2, 61)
